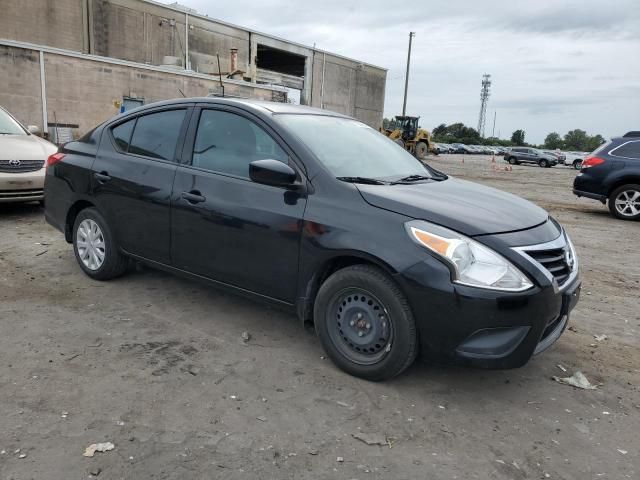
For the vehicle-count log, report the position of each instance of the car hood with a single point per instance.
(25, 147)
(466, 207)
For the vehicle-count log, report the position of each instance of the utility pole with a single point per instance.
(493, 130)
(484, 97)
(406, 79)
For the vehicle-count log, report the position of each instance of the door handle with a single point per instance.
(102, 177)
(193, 197)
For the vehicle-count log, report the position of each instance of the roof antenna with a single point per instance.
(220, 74)
(182, 93)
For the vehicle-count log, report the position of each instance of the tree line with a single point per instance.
(573, 140)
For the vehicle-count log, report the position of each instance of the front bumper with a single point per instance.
(22, 187)
(479, 327)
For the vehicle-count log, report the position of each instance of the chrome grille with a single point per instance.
(554, 260)
(20, 166)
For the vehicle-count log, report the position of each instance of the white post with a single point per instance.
(43, 95)
(324, 61)
(187, 62)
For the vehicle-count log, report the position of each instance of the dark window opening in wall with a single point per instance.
(280, 61)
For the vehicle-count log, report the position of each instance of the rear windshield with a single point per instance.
(601, 147)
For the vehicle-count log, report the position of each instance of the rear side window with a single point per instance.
(627, 150)
(156, 135)
(122, 134)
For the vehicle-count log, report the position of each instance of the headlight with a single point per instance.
(473, 263)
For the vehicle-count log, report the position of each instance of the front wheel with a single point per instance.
(95, 248)
(422, 149)
(577, 164)
(365, 323)
(543, 163)
(624, 202)
(513, 161)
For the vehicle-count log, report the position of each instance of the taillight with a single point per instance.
(55, 158)
(592, 162)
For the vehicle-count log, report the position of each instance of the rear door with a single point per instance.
(132, 178)
(223, 225)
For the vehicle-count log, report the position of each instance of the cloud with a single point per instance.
(555, 65)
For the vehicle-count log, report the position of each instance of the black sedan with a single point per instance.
(322, 215)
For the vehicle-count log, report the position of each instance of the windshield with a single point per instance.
(348, 148)
(8, 126)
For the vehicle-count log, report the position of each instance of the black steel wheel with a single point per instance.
(365, 324)
(362, 329)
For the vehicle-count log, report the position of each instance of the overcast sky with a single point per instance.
(556, 65)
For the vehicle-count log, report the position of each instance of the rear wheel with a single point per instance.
(365, 323)
(624, 202)
(422, 150)
(577, 164)
(94, 246)
(513, 161)
(543, 163)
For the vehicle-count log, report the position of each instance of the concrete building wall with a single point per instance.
(86, 92)
(145, 32)
(350, 88)
(20, 84)
(56, 23)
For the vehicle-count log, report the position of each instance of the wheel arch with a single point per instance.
(72, 213)
(629, 179)
(324, 270)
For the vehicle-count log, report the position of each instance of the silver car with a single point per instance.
(23, 159)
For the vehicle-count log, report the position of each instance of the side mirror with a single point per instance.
(34, 130)
(272, 172)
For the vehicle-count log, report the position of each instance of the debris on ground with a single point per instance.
(339, 459)
(623, 452)
(246, 336)
(561, 368)
(371, 438)
(95, 471)
(262, 419)
(64, 414)
(577, 380)
(98, 447)
(24, 455)
(600, 338)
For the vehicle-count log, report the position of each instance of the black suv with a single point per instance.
(324, 216)
(612, 173)
(518, 155)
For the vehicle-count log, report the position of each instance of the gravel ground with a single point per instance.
(157, 365)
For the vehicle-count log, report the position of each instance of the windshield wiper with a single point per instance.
(411, 178)
(369, 181)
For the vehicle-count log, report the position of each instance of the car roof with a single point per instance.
(256, 105)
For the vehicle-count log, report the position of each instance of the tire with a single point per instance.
(543, 163)
(400, 142)
(624, 202)
(113, 263)
(577, 164)
(347, 304)
(513, 161)
(422, 150)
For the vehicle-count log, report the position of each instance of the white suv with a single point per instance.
(23, 158)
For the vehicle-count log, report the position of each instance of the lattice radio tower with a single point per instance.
(484, 97)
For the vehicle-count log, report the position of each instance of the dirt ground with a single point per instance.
(156, 364)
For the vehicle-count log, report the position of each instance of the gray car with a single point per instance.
(518, 155)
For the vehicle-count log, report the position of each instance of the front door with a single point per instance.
(223, 225)
(132, 178)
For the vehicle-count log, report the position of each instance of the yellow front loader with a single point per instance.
(406, 133)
